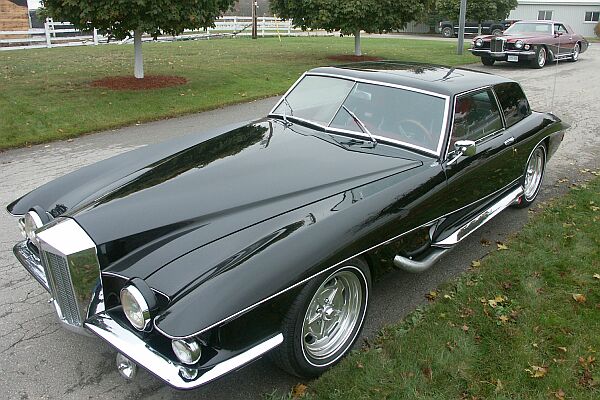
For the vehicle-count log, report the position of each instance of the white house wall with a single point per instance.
(573, 15)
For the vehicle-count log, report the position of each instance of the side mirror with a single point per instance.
(466, 148)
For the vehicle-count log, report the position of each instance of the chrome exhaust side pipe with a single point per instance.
(414, 266)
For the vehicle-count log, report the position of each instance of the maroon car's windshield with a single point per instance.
(529, 27)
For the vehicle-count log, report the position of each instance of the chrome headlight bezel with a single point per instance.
(135, 307)
(519, 44)
(31, 222)
(478, 42)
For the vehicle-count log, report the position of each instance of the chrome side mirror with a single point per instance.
(465, 148)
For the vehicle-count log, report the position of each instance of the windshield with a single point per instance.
(395, 114)
(529, 27)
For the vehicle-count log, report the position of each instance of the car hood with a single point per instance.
(512, 38)
(221, 186)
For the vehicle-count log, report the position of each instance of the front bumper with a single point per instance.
(503, 55)
(120, 335)
(176, 375)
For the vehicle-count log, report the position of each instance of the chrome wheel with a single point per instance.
(575, 52)
(334, 311)
(541, 58)
(534, 173)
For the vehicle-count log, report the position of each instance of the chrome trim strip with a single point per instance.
(134, 348)
(480, 219)
(32, 263)
(505, 52)
(244, 310)
(446, 99)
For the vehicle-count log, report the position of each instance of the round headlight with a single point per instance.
(187, 350)
(135, 307)
(31, 222)
(519, 44)
(479, 42)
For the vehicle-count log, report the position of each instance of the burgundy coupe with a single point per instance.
(534, 42)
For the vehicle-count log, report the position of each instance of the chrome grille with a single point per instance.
(62, 288)
(497, 45)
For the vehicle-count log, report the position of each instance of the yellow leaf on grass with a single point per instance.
(563, 349)
(476, 264)
(597, 276)
(503, 318)
(537, 372)
(298, 391)
(560, 394)
(501, 246)
(578, 297)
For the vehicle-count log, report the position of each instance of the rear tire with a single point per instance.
(576, 51)
(325, 320)
(533, 176)
(487, 61)
(540, 58)
(447, 32)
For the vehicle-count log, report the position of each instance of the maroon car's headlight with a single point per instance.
(519, 44)
(478, 42)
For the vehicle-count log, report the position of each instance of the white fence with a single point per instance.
(58, 34)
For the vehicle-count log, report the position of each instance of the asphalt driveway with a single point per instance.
(38, 359)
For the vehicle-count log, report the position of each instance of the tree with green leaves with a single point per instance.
(477, 10)
(119, 19)
(350, 17)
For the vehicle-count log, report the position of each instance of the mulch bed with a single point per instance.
(353, 58)
(132, 83)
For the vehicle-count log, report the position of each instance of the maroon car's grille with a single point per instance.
(497, 45)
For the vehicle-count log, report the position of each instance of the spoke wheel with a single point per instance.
(534, 173)
(576, 51)
(331, 315)
(540, 58)
(324, 320)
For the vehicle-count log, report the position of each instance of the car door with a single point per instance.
(563, 41)
(473, 181)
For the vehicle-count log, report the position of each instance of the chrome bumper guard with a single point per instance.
(32, 263)
(174, 374)
(498, 54)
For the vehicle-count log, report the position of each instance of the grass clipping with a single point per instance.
(522, 324)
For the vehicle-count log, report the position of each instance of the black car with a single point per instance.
(450, 28)
(197, 256)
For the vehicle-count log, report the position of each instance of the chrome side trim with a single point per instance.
(505, 52)
(480, 219)
(252, 306)
(128, 343)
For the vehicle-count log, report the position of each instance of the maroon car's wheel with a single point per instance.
(324, 320)
(576, 51)
(487, 61)
(540, 57)
(532, 178)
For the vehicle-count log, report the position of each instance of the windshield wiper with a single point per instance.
(361, 125)
(287, 103)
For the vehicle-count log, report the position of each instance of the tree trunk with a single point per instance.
(138, 70)
(357, 50)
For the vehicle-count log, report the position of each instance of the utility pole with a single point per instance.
(461, 27)
(254, 20)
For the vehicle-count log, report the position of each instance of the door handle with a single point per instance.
(509, 141)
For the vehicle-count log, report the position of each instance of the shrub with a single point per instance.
(597, 29)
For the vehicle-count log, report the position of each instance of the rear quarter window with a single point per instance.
(513, 102)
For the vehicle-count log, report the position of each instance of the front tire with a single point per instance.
(540, 58)
(576, 51)
(487, 61)
(325, 320)
(534, 174)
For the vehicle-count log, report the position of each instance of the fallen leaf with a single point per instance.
(501, 246)
(537, 372)
(431, 296)
(563, 349)
(476, 264)
(499, 386)
(560, 394)
(359, 365)
(298, 391)
(578, 297)
(503, 318)
(465, 328)
(427, 372)
(485, 242)
(597, 276)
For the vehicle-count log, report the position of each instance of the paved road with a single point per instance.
(40, 360)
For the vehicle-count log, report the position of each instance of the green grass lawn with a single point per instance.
(45, 93)
(524, 323)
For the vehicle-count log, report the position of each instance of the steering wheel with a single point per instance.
(422, 136)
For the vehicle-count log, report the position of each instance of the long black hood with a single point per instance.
(219, 186)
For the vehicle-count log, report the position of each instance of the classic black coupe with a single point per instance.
(197, 256)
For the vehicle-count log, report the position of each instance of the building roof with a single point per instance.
(432, 78)
(562, 2)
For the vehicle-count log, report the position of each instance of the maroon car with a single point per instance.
(535, 42)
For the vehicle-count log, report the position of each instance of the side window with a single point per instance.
(513, 102)
(476, 115)
(559, 28)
